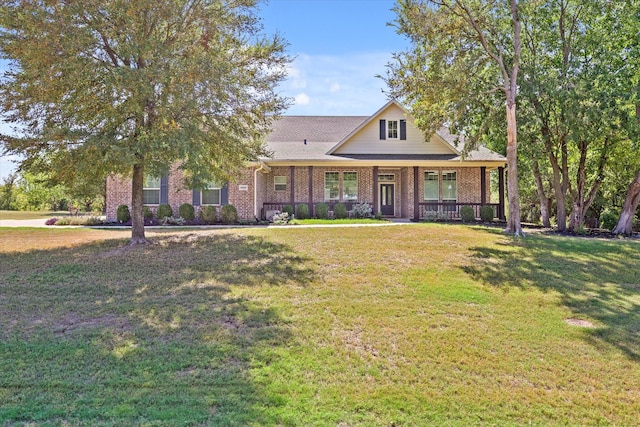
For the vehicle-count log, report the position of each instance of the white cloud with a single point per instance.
(296, 78)
(302, 99)
(337, 84)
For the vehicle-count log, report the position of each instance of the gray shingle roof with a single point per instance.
(314, 128)
(286, 141)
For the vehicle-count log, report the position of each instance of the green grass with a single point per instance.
(342, 221)
(21, 215)
(423, 324)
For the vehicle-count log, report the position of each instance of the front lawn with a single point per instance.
(341, 221)
(420, 324)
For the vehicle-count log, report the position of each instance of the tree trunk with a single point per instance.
(583, 201)
(544, 200)
(559, 180)
(625, 223)
(513, 222)
(137, 218)
(577, 213)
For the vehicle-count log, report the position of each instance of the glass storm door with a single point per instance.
(386, 199)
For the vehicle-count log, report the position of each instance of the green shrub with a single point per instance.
(288, 209)
(147, 213)
(486, 213)
(209, 214)
(339, 211)
(467, 214)
(378, 215)
(187, 211)
(123, 214)
(229, 214)
(302, 211)
(608, 219)
(164, 211)
(322, 211)
(79, 220)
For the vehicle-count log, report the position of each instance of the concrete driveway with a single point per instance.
(23, 222)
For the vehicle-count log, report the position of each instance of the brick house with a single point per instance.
(381, 159)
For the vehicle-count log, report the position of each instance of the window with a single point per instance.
(449, 187)
(386, 177)
(331, 185)
(151, 190)
(431, 186)
(211, 194)
(280, 183)
(350, 186)
(392, 129)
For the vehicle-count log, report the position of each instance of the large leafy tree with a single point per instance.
(463, 54)
(575, 91)
(627, 24)
(131, 87)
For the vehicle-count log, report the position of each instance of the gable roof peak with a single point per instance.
(367, 121)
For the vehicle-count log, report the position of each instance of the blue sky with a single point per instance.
(338, 46)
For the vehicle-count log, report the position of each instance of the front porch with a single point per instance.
(411, 192)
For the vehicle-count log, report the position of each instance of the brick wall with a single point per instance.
(283, 196)
(468, 180)
(177, 193)
(406, 202)
(241, 194)
(119, 193)
(301, 190)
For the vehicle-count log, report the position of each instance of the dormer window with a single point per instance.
(393, 129)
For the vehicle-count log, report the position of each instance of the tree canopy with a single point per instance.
(131, 87)
(577, 90)
(464, 59)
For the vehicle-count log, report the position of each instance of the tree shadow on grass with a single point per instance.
(175, 333)
(598, 279)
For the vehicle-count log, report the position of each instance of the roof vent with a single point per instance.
(305, 142)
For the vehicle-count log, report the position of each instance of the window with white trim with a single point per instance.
(449, 186)
(431, 186)
(331, 185)
(151, 190)
(350, 186)
(280, 183)
(392, 129)
(210, 194)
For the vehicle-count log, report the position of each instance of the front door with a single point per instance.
(386, 199)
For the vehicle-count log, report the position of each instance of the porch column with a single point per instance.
(293, 184)
(416, 199)
(311, 191)
(375, 190)
(501, 215)
(483, 185)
